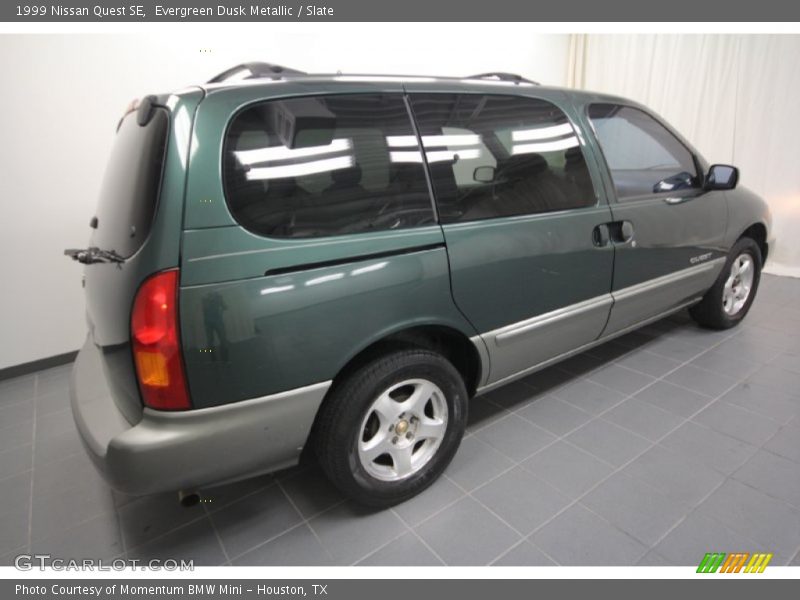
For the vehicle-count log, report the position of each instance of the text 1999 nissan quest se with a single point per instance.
(283, 261)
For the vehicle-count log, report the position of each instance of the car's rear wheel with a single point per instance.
(731, 296)
(390, 428)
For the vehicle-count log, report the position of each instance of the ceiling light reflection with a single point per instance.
(540, 147)
(414, 156)
(259, 155)
(469, 139)
(276, 289)
(307, 168)
(541, 133)
(369, 268)
(325, 278)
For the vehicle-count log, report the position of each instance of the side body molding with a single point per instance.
(521, 348)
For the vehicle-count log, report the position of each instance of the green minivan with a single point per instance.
(282, 261)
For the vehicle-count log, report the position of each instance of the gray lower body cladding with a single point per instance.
(167, 451)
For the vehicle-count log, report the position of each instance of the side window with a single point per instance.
(643, 156)
(321, 166)
(497, 156)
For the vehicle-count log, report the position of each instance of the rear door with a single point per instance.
(138, 217)
(517, 204)
(668, 231)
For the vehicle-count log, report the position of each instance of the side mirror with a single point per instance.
(484, 174)
(722, 177)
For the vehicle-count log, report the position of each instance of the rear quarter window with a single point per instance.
(130, 189)
(322, 166)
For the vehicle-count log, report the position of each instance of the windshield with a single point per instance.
(129, 193)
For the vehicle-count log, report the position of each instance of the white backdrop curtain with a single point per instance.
(734, 96)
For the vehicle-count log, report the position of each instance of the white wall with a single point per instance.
(62, 96)
(734, 96)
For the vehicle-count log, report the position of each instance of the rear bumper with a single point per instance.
(168, 451)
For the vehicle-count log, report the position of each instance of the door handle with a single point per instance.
(600, 235)
(673, 200)
(621, 232)
(626, 231)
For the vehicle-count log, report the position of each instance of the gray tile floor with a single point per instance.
(652, 449)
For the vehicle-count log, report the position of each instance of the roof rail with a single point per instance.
(500, 76)
(254, 70)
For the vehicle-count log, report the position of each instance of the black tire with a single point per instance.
(338, 427)
(709, 311)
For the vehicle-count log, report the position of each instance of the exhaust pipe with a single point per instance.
(188, 498)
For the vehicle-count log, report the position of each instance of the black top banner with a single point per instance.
(401, 10)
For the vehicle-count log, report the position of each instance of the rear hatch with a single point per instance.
(138, 219)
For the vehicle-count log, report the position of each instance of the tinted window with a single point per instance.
(129, 192)
(319, 166)
(643, 156)
(494, 156)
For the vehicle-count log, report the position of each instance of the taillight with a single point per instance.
(156, 343)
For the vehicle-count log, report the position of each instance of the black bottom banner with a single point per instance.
(399, 589)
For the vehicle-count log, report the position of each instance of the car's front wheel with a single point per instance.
(389, 429)
(728, 301)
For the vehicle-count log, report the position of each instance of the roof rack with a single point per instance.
(500, 76)
(254, 70)
(264, 70)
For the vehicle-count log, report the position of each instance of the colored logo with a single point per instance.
(737, 562)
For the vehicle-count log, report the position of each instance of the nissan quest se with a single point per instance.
(283, 262)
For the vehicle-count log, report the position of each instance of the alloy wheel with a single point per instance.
(738, 285)
(402, 429)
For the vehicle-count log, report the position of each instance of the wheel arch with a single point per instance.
(749, 216)
(445, 339)
(758, 233)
